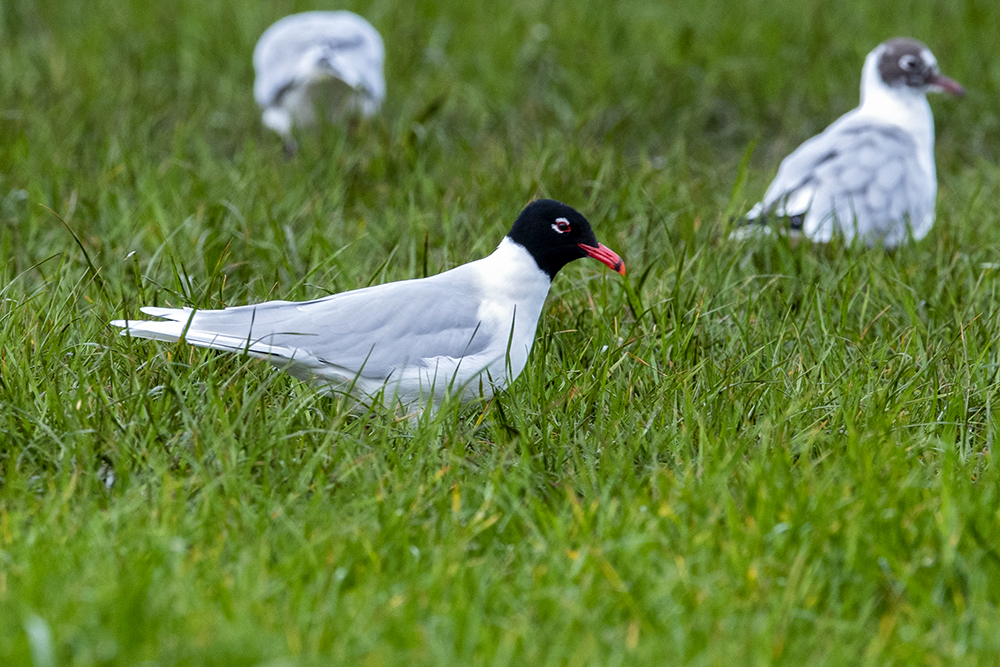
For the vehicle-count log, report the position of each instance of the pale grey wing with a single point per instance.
(344, 38)
(793, 189)
(855, 173)
(874, 187)
(369, 332)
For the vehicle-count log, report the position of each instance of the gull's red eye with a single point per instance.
(561, 225)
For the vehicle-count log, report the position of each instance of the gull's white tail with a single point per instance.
(219, 330)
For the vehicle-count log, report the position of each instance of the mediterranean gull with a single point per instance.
(467, 331)
(870, 174)
(326, 61)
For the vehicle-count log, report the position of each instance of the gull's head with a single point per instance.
(555, 234)
(906, 65)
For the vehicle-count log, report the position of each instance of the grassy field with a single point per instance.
(741, 454)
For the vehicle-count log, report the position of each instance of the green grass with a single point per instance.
(767, 454)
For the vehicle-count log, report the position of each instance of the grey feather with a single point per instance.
(277, 57)
(341, 336)
(862, 177)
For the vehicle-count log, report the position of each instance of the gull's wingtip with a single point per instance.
(128, 327)
(165, 313)
(748, 228)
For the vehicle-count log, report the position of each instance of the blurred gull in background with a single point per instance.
(871, 173)
(318, 62)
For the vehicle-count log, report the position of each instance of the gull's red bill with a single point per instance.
(948, 85)
(605, 255)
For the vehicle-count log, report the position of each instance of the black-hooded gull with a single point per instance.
(468, 330)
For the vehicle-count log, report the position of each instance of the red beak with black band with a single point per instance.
(605, 255)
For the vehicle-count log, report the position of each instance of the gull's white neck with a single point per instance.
(510, 282)
(901, 106)
(512, 291)
(513, 267)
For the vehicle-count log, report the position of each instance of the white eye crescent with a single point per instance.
(909, 62)
(561, 225)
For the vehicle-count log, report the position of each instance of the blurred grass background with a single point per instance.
(769, 454)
